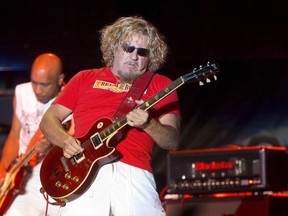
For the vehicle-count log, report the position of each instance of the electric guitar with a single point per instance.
(66, 179)
(17, 173)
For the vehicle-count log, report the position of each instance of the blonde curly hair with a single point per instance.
(114, 35)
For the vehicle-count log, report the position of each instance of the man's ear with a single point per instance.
(61, 79)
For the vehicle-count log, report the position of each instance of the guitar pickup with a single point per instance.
(96, 141)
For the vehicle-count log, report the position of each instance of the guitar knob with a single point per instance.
(58, 184)
(65, 187)
(68, 175)
(75, 179)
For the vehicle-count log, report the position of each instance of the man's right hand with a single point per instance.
(71, 147)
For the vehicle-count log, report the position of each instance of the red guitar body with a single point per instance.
(16, 187)
(66, 179)
(17, 175)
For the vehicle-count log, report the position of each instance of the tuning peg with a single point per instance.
(201, 83)
(215, 77)
(208, 80)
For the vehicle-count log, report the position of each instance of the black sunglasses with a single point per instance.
(140, 51)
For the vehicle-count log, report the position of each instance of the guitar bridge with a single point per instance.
(79, 157)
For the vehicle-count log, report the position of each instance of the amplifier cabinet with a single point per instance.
(258, 168)
(228, 206)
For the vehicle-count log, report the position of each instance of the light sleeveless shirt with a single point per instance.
(29, 112)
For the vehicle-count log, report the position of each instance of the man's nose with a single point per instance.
(38, 89)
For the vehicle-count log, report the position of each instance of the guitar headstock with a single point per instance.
(203, 73)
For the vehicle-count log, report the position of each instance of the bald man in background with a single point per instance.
(30, 102)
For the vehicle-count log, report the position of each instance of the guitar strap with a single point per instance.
(136, 91)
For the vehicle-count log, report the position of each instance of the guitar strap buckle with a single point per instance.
(136, 91)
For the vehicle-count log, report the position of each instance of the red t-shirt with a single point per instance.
(94, 94)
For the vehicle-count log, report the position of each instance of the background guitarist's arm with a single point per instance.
(11, 146)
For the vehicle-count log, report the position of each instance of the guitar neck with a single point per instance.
(162, 94)
(23, 159)
(30, 152)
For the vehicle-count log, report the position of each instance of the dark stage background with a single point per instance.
(248, 39)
